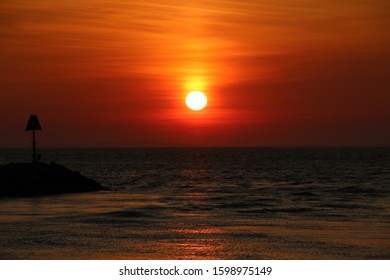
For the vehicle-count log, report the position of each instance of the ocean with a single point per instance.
(207, 203)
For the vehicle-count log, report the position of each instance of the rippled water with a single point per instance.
(207, 203)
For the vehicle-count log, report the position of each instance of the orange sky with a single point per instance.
(116, 73)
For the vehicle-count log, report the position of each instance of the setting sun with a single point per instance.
(196, 100)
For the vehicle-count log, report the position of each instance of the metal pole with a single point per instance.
(34, 152)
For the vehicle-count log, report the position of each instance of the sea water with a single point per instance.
(207, 203)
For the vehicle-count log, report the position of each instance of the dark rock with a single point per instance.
(32, 179)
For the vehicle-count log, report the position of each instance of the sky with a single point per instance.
(110, 73)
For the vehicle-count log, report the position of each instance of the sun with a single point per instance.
(196, 100)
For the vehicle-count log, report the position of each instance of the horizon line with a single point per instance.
(200, 146)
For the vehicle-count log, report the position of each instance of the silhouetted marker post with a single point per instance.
(32, 125)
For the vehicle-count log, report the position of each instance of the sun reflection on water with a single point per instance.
(202, 243)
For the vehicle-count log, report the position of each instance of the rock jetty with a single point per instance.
(37, 178)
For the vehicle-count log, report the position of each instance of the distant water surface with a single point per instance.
(207, 203)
